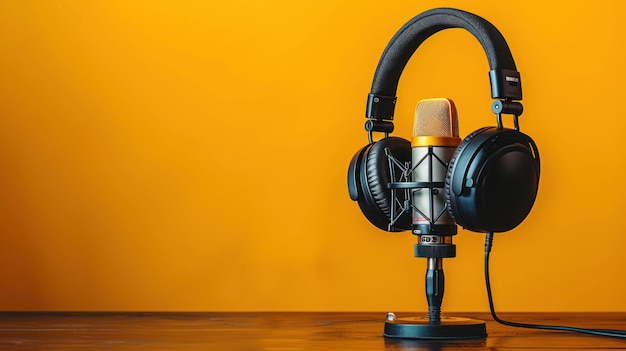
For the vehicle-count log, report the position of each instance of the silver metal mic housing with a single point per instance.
(435, 138)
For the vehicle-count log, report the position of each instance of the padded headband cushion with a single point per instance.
(406, 41)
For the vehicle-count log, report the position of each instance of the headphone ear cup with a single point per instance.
(492, 180)
(371, 178)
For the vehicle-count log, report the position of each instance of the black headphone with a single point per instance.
(492, 179)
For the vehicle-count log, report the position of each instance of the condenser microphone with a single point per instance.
(435, 138)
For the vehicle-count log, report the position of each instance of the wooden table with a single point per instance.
(281, 331)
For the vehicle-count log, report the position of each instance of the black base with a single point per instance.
(450, 328)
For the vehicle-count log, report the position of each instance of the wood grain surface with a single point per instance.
(282, 331)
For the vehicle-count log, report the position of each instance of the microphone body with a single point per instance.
(435, 138)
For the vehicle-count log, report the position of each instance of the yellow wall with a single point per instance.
(192, 155)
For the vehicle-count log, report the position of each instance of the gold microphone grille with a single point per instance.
(436, 117)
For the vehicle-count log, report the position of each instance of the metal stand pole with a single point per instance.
(434, 326)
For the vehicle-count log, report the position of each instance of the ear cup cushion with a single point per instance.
(354, 183)
(452, 165)
(492, 183)
(375, 176)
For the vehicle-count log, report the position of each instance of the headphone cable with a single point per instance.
(597, 332)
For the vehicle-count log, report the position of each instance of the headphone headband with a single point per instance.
(505, 80)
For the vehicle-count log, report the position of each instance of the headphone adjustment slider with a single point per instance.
(505, 84)
(380, 107)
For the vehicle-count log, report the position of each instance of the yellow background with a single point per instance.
(192, 155)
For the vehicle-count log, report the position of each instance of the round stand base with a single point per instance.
(450, 328)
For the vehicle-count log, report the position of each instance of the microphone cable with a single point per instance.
(597, 332)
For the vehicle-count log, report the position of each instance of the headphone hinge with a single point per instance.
(376, 125)
(508, 107)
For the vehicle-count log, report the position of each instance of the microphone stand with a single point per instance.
(434, 326)
(434, 288)
(434, 244)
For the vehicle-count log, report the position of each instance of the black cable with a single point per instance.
(597, 332)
